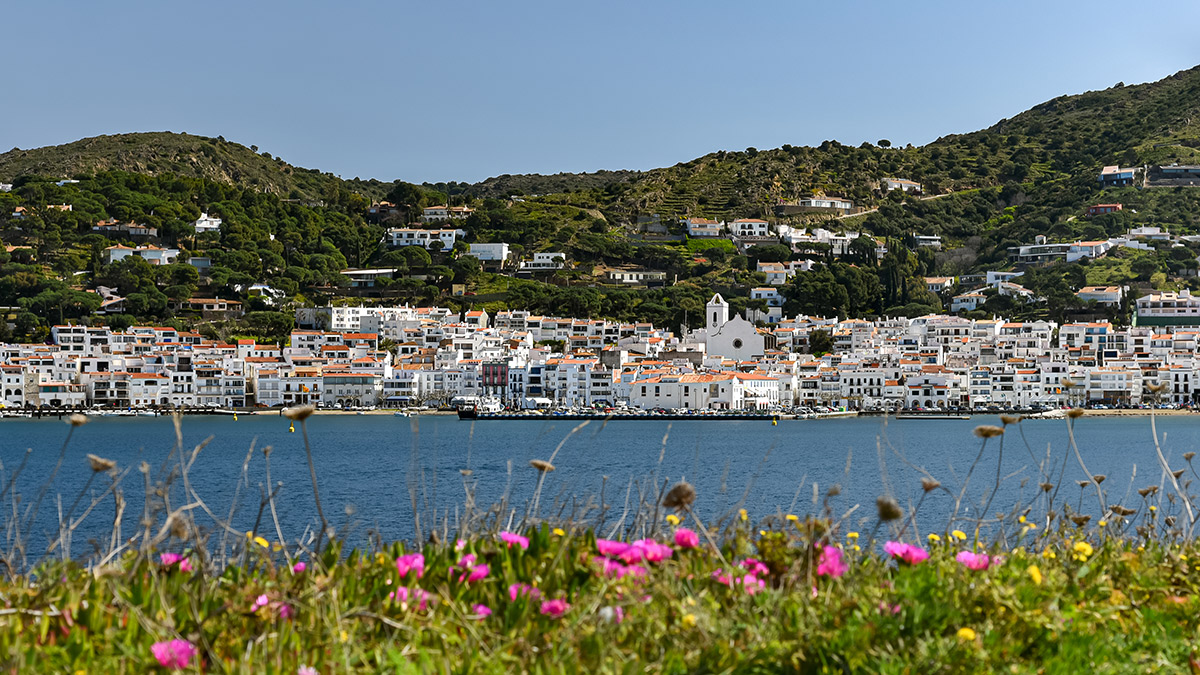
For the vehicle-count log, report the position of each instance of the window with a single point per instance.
(737, 343)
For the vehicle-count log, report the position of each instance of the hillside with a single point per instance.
(164, 152)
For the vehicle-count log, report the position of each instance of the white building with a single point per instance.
(151, 254)
(408, 236)
(902, 184)
(434, 213)
(703, 227)
(544, 261)
(206, 223)
(750, 227)
(497, 252)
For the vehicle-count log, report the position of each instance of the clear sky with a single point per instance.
(449, 90)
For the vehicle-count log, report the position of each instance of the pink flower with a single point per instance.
(511, 538)
(175, 654)
(612, 614)
(413, 562)
(168, 559)
(908, 553)
(973, 561)
(474, 574)
(481, 611)
(286, 611)
(654, 551)
(307, 670)
(298, 568)
(460, 544)
(753, 584)
(755, 567)
(554, 608)
(517, 590)
(185, 565)
(831, 563)
(685, 538)
(404, 596)
(260, 601)
(722, 578)
(631, 554)
(466, 561)
(615, 570)
(610, 548)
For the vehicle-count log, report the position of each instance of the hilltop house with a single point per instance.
(151, 254)
(434, 213)
(703, 227)
(901, 184)
(1115, 176)
(206, 223)
(1102, 208)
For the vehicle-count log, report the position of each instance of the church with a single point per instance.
(734, 338)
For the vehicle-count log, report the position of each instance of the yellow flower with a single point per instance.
(1082, 551)
(672, 519)
(1030, 526)
(933, 538)
(689, 620)
(1153, 508)
(762, 533)
(852, 535)
(1049, 554)
(743, 515)
(558, 532)
(959, 535)
(1183, 557)
(249, 534)
(793, 517)
(966, 634)
(344, 636)
(857, 547)
(1102, 523)
(1021, 519)
(1035, 574)
(262, 542)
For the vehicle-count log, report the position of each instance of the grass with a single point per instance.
(1059, 591)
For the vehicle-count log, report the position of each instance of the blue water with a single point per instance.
(369, 463)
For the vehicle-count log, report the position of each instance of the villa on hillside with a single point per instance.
(1115, 176)
(1099, 209)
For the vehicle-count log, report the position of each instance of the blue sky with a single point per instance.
(461, 91)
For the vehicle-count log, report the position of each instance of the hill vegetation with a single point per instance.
(298, 229)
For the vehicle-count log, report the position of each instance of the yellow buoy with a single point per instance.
(774, 422)
(292, 428)
(234, 417)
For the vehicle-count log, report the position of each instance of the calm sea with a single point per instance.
(368, 465)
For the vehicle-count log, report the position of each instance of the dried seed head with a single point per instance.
(465, 472)
(1148, 490)
(144, 467)
(1051, 515)
(1068, 382)
(888, 508)
(834, 490)
(1099, 478)
(1177, 473)
(1169, 520)
(929, 484)
(541, 465)
(988, 431)
(1080, 520)
(179, 528)
(1187, 456)
(99, 464)
(1010, 419)
(1156, 388)
(299, 413)
(1075, 413)
(77, 420)
(1046, 487)
(1082, 483)
(680, 496)
(1123, 511)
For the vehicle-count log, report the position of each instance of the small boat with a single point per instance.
(400, 413)
(936, 416)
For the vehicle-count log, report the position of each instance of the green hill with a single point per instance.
(163, 152)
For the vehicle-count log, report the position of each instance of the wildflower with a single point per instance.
(988, 431)
(100, 464)
(652, 550)
(558, 532)
(612, 614)
(307, 670)
(1035, 574)
(481, 611)
(610, 548)
(475, 573)
(888, 508)
(299, 567)
(852, 535)
(168, 559)
(753, 584)
(1021, 519)
(404, 596)
(412, 562)
(908, 553)
(688, 620)
(286, 611)
(685, 538)
(460, 544)
(966, 634)
(1049, 554)
(973, 561)
(554, 608)
(185, 566)
(680, 496)
(1153, 508)
(755, 567)
(830, 563)
(541, 465)
(1081, 551)
(262, 542)
(260, 602)
(511, 538)
(1102, 523)
(743, 515)
(672, 519)
(299, 413)
(175, 654)
(517, 590)
(793, 517)
(959, 535)
(933, 538)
